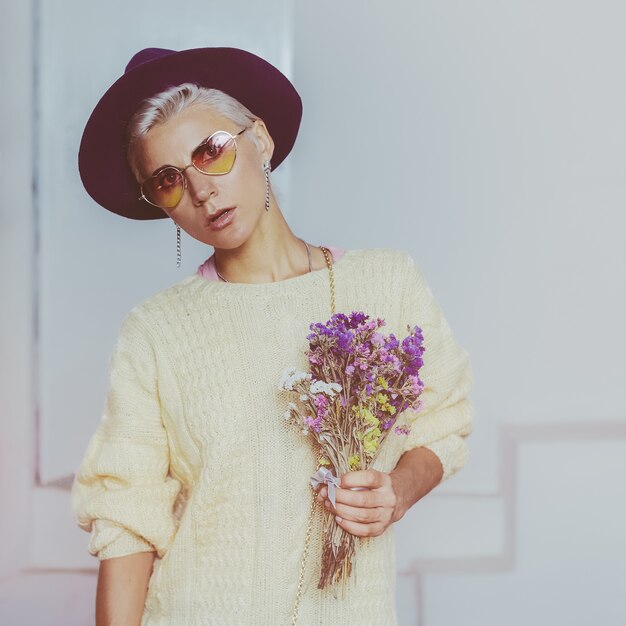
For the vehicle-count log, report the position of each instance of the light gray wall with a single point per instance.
(485, 138)
(93, 265)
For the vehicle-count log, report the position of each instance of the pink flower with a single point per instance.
(377, 339)
(315, 424)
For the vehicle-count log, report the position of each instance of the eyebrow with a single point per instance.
(163, 167)
(158, 170)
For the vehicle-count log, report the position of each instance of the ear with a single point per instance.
(264, 139)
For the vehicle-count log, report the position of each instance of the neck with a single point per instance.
(271, 253)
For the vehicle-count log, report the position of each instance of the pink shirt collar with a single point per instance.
(207, 269)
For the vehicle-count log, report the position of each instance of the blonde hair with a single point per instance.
(168, 103)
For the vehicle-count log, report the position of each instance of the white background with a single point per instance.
(485, 138)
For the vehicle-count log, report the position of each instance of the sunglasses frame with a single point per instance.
(192, 164)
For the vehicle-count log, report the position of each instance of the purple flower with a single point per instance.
(321, 404)
(388, 423)
(391, 343)
(314, 424)
(416, 384)
(320, 401)
(356, 318)
(344, 340)
(377, 339)
(350, 350)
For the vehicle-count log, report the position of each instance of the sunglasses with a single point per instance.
(215, 156)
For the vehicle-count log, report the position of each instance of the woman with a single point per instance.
(195, 492)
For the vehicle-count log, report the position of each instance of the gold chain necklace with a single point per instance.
(294, 617)
(329, 263)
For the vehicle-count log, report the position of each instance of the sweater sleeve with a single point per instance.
(122, 492)
(445, 419)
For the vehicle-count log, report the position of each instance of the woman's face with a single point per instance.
(242, 189)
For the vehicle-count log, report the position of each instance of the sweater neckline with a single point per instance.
(295, 282)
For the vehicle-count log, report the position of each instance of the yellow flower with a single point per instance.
(383, 383)
(370, 441)
(372, 420)
(367, 416)
(384, 402)
(354, 462)
(323, 461)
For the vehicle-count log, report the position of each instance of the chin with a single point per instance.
(227, 241)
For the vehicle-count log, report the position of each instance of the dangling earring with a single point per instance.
(267, 166)
(178, 254)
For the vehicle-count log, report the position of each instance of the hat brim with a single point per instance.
(254, 82)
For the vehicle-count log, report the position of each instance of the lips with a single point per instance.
(221, 218)
(215, 215)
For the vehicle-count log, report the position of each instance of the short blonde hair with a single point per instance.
(168, 103)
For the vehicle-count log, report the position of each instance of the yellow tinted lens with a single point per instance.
(216, 155)
(164, 189)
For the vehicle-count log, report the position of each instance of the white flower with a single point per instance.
(319, 386)
(290, 377)
(292, 406)
(305, 431)
(316, 386)
(304, 397)
(284, 378)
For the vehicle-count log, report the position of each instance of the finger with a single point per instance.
(370, 478)
(355, 514)
(365, 499)
(361, 530)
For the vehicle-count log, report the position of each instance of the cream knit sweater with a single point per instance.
(193, 458)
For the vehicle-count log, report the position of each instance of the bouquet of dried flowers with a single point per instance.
(359, 382)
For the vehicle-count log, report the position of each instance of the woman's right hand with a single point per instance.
(122, 589)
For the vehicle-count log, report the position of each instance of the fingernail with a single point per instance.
(339, 519)
(327, 504)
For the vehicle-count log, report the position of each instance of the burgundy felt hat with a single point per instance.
(246, 77)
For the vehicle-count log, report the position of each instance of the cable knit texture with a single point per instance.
(193, 458)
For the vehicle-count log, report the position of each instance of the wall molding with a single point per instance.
(511, 438)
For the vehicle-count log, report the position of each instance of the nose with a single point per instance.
(201, 187)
